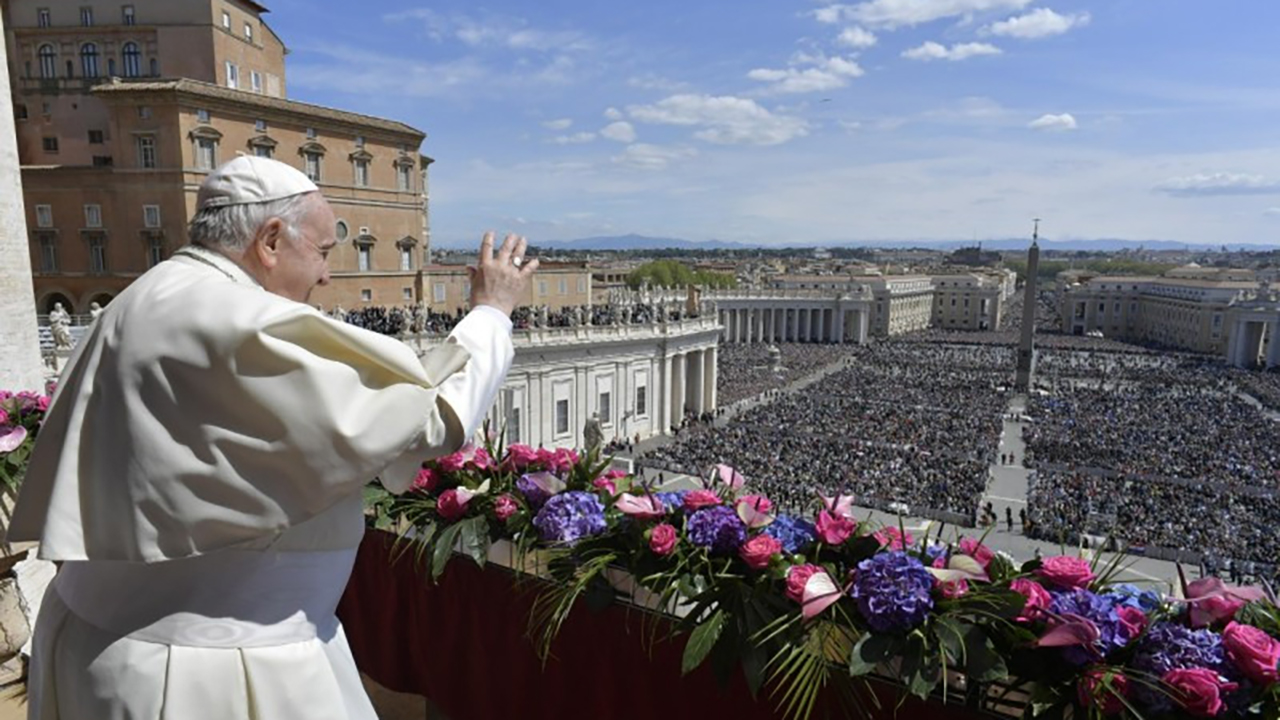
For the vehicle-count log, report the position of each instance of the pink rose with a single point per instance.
(696, 499)
(1253, 651)
(604, 483)
(834, 529)
(757, 551)
(797, 576)
(1213, 601)
(42, 403)
(451, 463)
(977, 551)
(663, 539)
(426, 480)
(951, 589)
(615, 474)
(504, 507)
(480, 459)
(563, 460)
(642, 507)
(1038, 598)
(1133, 620)
(1103, 689)
(450, 506)
(1198, 690)
(521, 456)
(893, 538)
(4, 417)
(1066, 572)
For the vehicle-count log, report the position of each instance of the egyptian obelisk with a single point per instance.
(20, 351)
(1027, 345)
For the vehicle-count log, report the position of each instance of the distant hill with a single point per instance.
(645, 242)
(640, 242)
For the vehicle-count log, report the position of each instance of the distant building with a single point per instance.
(447, 288)
(973, 257)
(967, 301)
(122, 109)
(1172, 311)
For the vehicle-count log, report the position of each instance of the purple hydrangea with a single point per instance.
(1168, 646)
(893, 591)
(569, 517)
(534, 494)
(718, 529)
(794, 533)
(1101, 611)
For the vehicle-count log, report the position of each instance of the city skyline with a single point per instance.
(813, 123)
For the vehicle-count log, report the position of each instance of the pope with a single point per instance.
(198, 476)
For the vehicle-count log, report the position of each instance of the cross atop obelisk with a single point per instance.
(1026, 346)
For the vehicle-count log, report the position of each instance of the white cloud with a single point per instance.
(1218, 183)
(621, 131)
(650, 81)
(823, 73)
(493, 31)
(561, 124)
(652, 157)
(892, 14)
(1041, 22)
(1272, 212)
(724, 119)
(960, 51)
(574, 139)
(1065, 121)
(613, 113)
(856, 37)
(850, 126)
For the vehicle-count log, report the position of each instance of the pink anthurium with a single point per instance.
(840, 505)
(644, 507)
(1068, 630)
(961, 567)
(1212, 600)
(465, 494)
(11, 438)
(730, 477)
(755, 511)
(820, 592)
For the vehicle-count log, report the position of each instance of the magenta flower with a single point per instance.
(642, 507)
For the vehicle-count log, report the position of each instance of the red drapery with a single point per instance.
(462, 644)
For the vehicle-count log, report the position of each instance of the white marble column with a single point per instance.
(806, 317)
(698, 388)
(681, 365)
(664, 397)
(710, 376)
(20, 367)
(837, 325)
(760, 337)
(1273, 349)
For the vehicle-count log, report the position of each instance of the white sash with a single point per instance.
(226, 599)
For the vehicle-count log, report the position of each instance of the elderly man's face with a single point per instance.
(304, 255)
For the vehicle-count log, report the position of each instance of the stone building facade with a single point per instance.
(114, 145)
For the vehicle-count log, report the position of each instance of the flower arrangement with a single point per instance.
(20, 417)
(806, 603)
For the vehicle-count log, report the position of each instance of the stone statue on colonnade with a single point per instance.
(60, 326)
(592, 434)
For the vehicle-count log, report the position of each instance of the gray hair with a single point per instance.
(233, 227)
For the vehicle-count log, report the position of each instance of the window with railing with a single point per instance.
(155, 251)
(48, 62)
(48, 254)
(364, 257)
(404, 175)
(362, 173)
(206, 153)
(406, 257)
(313, 166)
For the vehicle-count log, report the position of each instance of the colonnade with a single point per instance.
(800, 323)
(691, 387)
(1245, 343)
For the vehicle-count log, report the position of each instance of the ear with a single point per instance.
(269, 242)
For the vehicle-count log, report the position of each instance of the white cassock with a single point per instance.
(199, 475)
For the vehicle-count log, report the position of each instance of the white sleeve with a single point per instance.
(485, 333)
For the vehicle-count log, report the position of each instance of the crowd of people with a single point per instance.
(1157, 451)
(904, 427)
(746, 370)
(418, 319)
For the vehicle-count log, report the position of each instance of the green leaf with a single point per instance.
(754, 661)
(701, 641)
(444, 549)
(983, 663)
(950, 635)
(872, 649)
(475, 539)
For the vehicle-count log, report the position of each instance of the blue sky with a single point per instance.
(799, 122)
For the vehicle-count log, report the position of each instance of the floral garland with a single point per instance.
(803, 603)
(20, 417)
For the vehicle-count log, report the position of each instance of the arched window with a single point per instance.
(48, 62)
(132, 60)
(89, 60)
